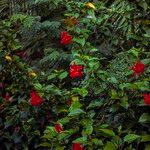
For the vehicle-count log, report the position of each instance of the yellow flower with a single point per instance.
(90, 5)
(32, 74)
(8, 58)
(75, 98)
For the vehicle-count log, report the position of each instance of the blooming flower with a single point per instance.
(32, 74)
(58, 127)
(65, 38)
(8, 58)
(77, 146)
(35, 98)
(147, 99)
(138, 68)
(76, 71)
(90, 5)
(6, 97)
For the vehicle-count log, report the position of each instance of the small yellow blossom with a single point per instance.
(90, 5)
(8, 58)
(32, 74)
(75, 98)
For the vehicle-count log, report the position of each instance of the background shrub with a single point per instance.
(103, 107)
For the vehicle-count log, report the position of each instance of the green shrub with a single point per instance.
(73, 72)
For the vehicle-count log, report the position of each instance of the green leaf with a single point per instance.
(46, 144)
(145, 138)
(143, 86)
(131, 137)
(81, 140)
(75, 112)
(52, 76)
(145, 61)
(80, 41)
(143, 4)
(82, 91)
(75, 105)
(88, 126)
(92, 14)
(107, 132)
(60, 148)
(126, 86)
(53, 25)
(54, 56)
(95, 103)
(147, 147)
(144, 118)
(64, 121)
(63, 75)
(114, 94)
(91, 113)
(124, 103)
(134, 52)
(113, 80)
(49, 132)
(97, 142)
(38, 86)
(110, 146)
(62, 136)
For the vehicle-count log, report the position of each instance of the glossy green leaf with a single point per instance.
(81, 140)
(110, 146)
(131, 137)
(75, 112)
(144, 118)
(107, 132)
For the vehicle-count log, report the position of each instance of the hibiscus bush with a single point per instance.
(75, 75)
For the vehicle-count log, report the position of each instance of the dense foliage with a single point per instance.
(75, 74)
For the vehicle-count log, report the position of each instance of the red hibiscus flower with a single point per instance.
(147, 99)
(76, 71)
(77, 146)
(6, 97)
(58, 127)
(35, 98)
(65, 38)
(138, 68)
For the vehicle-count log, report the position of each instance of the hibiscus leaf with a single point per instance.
(131, 137)
(76, 112)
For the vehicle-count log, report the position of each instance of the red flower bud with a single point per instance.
(35, 98)
(147, 99)
(69, 102)
(77, 146)
(58, 127)
(65, 38)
